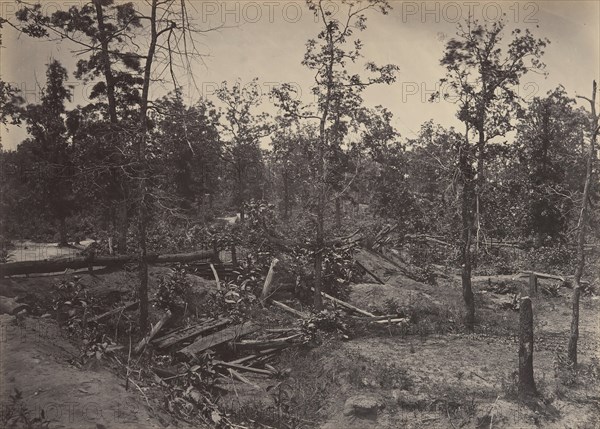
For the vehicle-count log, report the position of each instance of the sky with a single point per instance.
(266, 40)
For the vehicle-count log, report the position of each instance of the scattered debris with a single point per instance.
(155, 330)
(189, 333)
(218, 338)
(289, 309)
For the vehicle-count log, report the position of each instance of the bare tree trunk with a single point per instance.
(141, 163)
(468, 194)
(122, 227)
(526, 380)
(581, 226)
(338, 213)
(62, 232)
(320, 239)
(286, 195)
(143, 270)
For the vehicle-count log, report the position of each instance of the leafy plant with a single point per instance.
(73, 302)
(324, 320)
(172, 290)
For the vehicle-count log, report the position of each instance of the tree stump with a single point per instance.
(533, 284)
(526, 380)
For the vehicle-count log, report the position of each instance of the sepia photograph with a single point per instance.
(298, 214)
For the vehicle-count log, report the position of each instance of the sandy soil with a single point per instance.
(35, 358)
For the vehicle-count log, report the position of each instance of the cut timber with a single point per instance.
(346, 305)
(241, 378)
(290, 309)
(129, 306)
(372, 319)
(217, 338)
(52, 266)
(155, 330)
(267, 287)
(370, 273)
(256, 355)
(189, 333)
(398, 321)
(279, 330)
(278, 342)
(243, 368)
(10, 305)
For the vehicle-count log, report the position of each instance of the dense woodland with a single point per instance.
(513, 188)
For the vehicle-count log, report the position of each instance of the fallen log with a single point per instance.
(188, 333)
(256, 355)
(267, 343)
(241, 378)
(217, 338)
(155, 330)
(345, 304)
(280, 330)
(10, 305)
(398, 320)
(290, 309)
(374, 318)
(243, 368)
(52, 266)
(114, 311)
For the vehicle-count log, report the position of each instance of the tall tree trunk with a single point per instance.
(143, 250)
(62, 232)
(320, 239)
(338, 213)
(104, 39)
(581, 226)
(468, 195)
(321, 174)
(108, 76)
(479, 184)
(286, 195)
(122, 226)
(143, 171)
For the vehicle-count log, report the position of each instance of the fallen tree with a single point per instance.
(51, 266)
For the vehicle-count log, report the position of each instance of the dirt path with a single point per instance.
(35, 358)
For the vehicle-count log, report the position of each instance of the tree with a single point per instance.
(12, 104)
(189, 150)
(49, 149)
(594, 128)
(548, 141)
(101, 29)
(482, 76)
(243, 130)
(338, 102)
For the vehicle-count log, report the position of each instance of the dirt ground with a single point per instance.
(429, 374)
